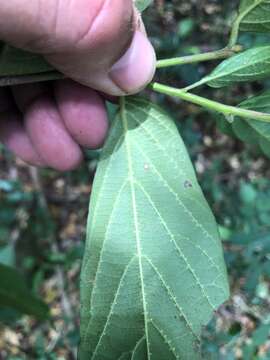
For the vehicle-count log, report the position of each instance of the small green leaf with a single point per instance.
(14, 294)
(153, 271)
(259, 103)
(250, 65)
(260, 129)
(255, 15)
(253, 131)
(142, 4)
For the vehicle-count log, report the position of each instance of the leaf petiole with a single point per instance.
(208, 56)
(228, 111)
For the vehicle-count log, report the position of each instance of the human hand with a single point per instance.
(46, 124)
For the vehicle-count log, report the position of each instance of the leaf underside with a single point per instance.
(250, 65)
(256, 15)
(153, 271)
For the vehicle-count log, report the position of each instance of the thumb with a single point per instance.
(99, 43)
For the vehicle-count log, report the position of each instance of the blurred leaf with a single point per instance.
(153, 255)
(262, 290)
(9, 316)
(250, 65)
(18, 62)
(6, 185)
(259, 103)
(244, 132)
(111, 109)
(260, 335)
(185, 27)
(258, 131)
(14, 294)
(248, 351)
(248, 193)
(142, 4)
(224, 125)
(248, 130)
(255, 15)
(7, 255)
(224, 232)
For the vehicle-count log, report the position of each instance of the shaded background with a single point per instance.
(43, 213)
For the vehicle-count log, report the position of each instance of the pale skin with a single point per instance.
(101, 47)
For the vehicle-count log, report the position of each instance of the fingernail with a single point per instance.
(137, 67)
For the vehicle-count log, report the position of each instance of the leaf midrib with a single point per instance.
(135, 216)
(111, 309)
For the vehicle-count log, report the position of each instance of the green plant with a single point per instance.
(153, 270)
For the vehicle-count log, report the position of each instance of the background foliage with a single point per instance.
(43, 214)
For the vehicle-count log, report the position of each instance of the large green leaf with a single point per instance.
(14, 294)
(153, 271)
(142, 4)
(255, 15)
(250, 65)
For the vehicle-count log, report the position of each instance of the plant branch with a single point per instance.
(229, 111)
(191, 59)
